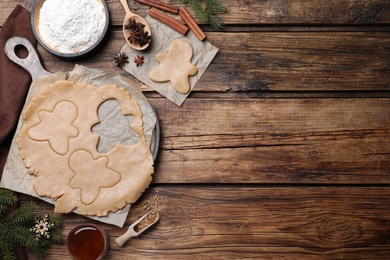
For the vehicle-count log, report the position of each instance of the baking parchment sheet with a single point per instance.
(15, 176)
(162, 36)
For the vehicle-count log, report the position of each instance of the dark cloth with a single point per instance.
(14, 80)
(14, 85)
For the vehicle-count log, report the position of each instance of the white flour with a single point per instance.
(71, 26)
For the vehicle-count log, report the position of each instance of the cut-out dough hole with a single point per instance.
(110, 114)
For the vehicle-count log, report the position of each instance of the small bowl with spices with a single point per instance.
(87, 242)
(70, 29)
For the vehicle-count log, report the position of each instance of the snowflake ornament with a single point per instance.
(42, 227)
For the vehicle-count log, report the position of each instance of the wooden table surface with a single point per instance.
(282, 151)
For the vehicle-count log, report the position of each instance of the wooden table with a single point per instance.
(283, 148)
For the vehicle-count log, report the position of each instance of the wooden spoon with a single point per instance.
(130, 15)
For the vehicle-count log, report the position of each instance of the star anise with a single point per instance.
(144, 38)
(120, 59)
(137, 33)
(139, 60)
(141, 25)
(132, 24)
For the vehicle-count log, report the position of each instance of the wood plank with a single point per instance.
(265, 12)
(232, 222)
(6, 7)
(264, 61)
(284, 12)
(258, 62)
(274, 141)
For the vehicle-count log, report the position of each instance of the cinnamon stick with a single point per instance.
(160, 5)
(174, 24)
(192, 24)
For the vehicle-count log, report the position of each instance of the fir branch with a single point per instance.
(23, 214)
(215, 7)
(208, 11)
(16, 228)
(3, 209)
(216, 22)
(56, 234)
(23, 236)
(6, 249)
(198, 9)
(7, 198)
(40, 249)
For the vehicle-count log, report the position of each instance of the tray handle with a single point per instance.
(31, 63)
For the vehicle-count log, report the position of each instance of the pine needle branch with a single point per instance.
(215, 7)
(23, 236)
(23, 214)
(6, 249)
(216, 22)
(56, 234)
(199, 11)
(207, 11)
(20, 228)
(7, 197)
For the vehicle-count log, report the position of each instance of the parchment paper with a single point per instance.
(15, 176)
(162, 36)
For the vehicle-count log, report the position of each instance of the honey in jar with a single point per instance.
(87, 242)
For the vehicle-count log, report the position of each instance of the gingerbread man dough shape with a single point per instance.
(175, 66)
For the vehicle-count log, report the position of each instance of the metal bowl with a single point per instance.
(93, 47)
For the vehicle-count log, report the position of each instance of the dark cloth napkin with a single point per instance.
(14, 85)
(14, 80)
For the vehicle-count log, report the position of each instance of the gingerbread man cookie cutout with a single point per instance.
(56, 127)
(175, 66)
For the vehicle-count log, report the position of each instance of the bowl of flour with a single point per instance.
(70, 28)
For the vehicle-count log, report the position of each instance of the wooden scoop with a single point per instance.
(147, 221)
(126, 33)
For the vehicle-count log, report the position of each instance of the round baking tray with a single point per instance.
(155, 141)
(78, 55)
